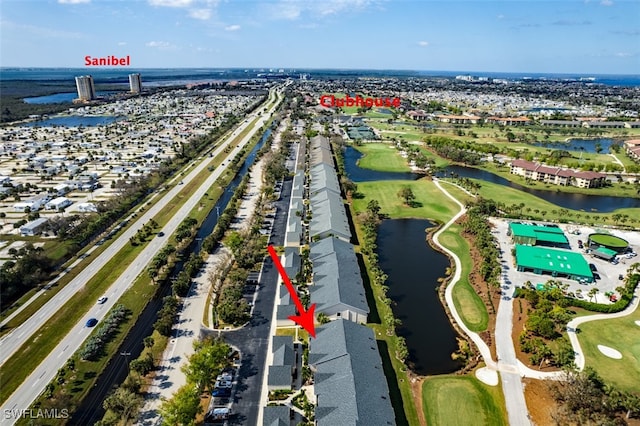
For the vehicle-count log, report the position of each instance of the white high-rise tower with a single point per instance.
(135, 83)
(86, 89)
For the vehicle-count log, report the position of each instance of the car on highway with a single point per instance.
(91, 322)
(102, 300)
(160, 234)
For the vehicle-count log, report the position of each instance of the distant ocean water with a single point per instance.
(165, 76)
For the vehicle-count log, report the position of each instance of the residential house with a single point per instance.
(282, 370)
(337, 290)
(350, 385)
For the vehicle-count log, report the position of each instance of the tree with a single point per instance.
(323, 318)
(206, 363)
(373, 207)
(124, 403)
(406, 194)
(182, 408)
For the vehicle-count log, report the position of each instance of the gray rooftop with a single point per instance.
(350, 385)
(276, 415)
(336, 276)
(328, 215)
(279, 376)
(323, 176)
(292, 261)
(320, 141)
(321, 156)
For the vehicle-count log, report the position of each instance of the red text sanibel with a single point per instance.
(306, 318)
(113, 61)
(331, 101)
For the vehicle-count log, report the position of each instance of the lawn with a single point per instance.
(621, 334)
(382, 157)
(462, 400)
(510, 196)
(430, 203)
(467, 302)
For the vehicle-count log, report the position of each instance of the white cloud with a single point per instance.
(171, 3)
(197, 9)
(42, 32)
(122, 43)
(423, 43)
(202, 14)
(73, 1)
(607, 2)
(234, 27)
(624, 55)
(159, 44)
(501, 16)
(293, 9)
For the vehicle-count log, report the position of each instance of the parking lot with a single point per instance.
(606, 274)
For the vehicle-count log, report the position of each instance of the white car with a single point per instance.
(102, 300)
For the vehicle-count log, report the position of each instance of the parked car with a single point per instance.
(221, 392)
(91, 322)
(593, 267)
(620, 277)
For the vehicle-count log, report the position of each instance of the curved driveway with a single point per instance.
(26, 393)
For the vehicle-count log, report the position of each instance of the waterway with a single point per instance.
(586, 202)
(60, 98)
(115, 372)
(74, 121)
(413, 268)
(580, 145)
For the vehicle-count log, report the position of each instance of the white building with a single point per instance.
(34, 227)
(58, 203)
(135, 83)
(86, 89)
(86, 208)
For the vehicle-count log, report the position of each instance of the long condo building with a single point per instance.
(86, 89)
(135, 83)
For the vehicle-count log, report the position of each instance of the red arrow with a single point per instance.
(306, 318)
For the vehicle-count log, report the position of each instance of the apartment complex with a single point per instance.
(556, 175)
(135, 83)
(86, 89)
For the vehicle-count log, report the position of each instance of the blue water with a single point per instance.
(585, 202)
(186, 74)
(74, 121)
(586, 145)
(59, 98)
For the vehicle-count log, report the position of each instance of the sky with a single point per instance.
(560, 36)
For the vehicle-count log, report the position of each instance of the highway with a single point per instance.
(25, 394)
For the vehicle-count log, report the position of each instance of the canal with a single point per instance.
(91, 411)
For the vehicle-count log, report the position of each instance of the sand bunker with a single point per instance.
(488, 376)
(638, 322)
(610, 352)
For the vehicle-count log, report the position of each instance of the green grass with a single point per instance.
(382, 157)
(621, 334)
(609, 240)
(431, 203)
(511, 196)
(462, 400)
(468, 304)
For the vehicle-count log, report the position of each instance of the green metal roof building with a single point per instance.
(537, 235)
(554, 262)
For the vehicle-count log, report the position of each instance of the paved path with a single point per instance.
(507, 365)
